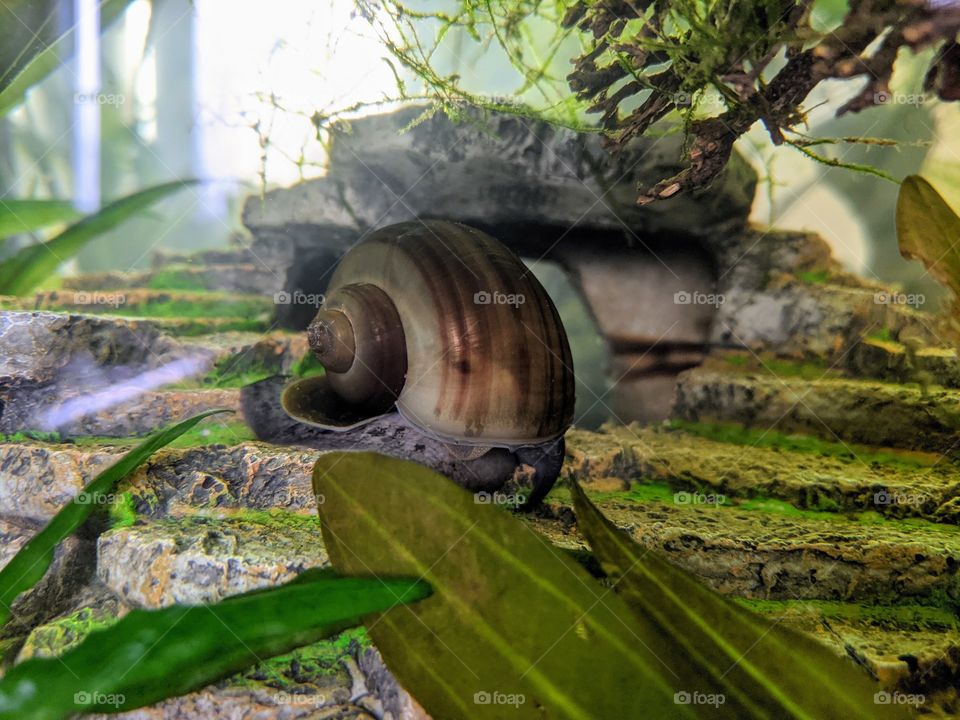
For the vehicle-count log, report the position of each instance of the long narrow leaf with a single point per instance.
(149, 656)
(31, 562)
(21, 273)
(50, 58)
(515, 628)
(774, 671)
(21, 216)
(928, 230)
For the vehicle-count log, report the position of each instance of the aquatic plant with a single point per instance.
(30, 266)
(32, 561)
(720, 65)
(578, 642)
(151, 655)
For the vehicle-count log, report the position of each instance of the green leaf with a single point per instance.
(32, 560)
(29, 267)
(929, 230)
(22, 216)
(772, 671)
(149, 656)
(50, 58)
(513, 620)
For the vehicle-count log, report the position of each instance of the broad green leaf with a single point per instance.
(149, 656)
(21, 216)
(515, 628)
(32, 560)
(928, 230)
(50, 58)
(29, 267)
(773, 671)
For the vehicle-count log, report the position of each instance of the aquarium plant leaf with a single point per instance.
(29, 267)
(775, 671)
(929, 230)
(48, 59)
(515, 628)
(150, 655)
(32, 560)
(22, 216)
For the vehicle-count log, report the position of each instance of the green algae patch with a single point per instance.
(814, 277)
(906, 616)
(736, 434)
(58, 636)
(306, 666)
(123, 511)
(225, 433)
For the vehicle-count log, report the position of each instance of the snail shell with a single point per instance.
(444, 323)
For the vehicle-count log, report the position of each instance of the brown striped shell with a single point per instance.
(446, 323)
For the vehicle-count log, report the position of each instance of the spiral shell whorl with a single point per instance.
(487, 359)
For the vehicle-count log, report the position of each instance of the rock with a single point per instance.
(198, 559)
(42, 347)
(779, 556)
(517, 173)
(806, 480)
(856, 411)
(38, 479)
(74, 413)
(253, 278)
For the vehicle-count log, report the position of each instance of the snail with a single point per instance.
(443, 325)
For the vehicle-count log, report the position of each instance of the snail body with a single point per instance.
(443, 324)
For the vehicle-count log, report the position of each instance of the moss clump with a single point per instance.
(735, 434)
(907, 616)
(172, 278)
(222, 433)
(307, 665)
(64, 633)
(123, 511)
(307, 366)
(814, 277)
(276, 518)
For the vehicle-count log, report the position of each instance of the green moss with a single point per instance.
(737, 360)
(735, 434)
(907, 616)
(58, 636)
(123, 512)
(211, 433)
(814, 277)
(275, 518)
(212, 308)
(307, 366)
(883, 335)
(31, 436)
(306, 665)
(173, 278)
